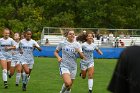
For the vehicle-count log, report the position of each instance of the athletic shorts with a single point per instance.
(85, 66)
(72, 72)
(28, 61)
(14, 63)
(5, 56)
(30, 66)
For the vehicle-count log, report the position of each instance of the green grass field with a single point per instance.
(45, 78)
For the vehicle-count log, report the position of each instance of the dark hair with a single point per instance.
(82, 36)
(67, 32)
(28, 29)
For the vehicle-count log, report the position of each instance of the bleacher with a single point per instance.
(53, 39)
(56, 39)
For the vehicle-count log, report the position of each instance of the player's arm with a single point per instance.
(82, 56)
(37, 46)
(99, 51)
(13, 45)
(80, 53)
(56, 53)
(10, 48)
(79, 50)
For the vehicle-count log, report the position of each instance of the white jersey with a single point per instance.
(6, 43)
(69, 53)
(27, 48)
(16, 52)
(88, 51)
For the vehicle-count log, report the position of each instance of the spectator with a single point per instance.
(127, 36)
(121, 43)
(121, 35)
(116, 42)
(47, 42)
(84, 32)
(111, 37)
(126, 77)
(132, 42)
(105, 37)
(98, 36)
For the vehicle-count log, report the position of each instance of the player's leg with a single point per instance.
(67, 82)
(83, 73)
(18, 75)
(12, 69)
(30, 70)
(4, 72)
(73, 73)
(65, 73)
(8, 66)
(90, 77)
(69, 89)
(83, 70)
(25, 76)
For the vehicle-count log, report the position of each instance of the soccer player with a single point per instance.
(68, 65)
(6, 45)
(27, 46)
(126, 76)
(88, 65)
(15, 63)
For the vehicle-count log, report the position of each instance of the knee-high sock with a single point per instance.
(4, 74)
(90, 84)
(18, 75)
(24, 78)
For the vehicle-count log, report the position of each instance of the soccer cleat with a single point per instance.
(90, 91)
(24, 87)
(9, 76)
(68, 91)
(80, 74)
(17, 85)
(5, 84)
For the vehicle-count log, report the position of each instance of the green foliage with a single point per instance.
(35, 14)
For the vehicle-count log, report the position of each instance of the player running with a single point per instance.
(68, 65)
(6, 45)
(15, 64)
(88, 65)
(27, 46)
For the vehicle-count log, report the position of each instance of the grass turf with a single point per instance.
(45, 78)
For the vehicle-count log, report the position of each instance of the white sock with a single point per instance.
(4, 74)
(24, 78)
(18, 75)
(90, 84)
(63, 88)
(28, 78)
